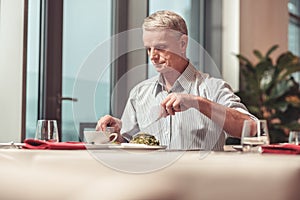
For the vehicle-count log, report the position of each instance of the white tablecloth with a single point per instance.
(74, 175)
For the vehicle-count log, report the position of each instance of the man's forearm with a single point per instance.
(230, 119)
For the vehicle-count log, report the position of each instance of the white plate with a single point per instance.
(11, 145)
(100, 146)
(238, 147)
(131, 146)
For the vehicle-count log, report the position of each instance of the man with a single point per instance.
(197, 111)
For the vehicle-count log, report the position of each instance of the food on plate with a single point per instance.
(145, 138)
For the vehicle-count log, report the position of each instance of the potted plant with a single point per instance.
(270, 92)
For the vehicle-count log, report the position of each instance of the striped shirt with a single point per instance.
(188, 129)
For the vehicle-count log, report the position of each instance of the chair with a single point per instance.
(232, 141)
(83, 126)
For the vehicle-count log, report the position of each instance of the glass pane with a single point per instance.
(32, 67)
(294, 7)
(188, 9)
(294, 38)
(294, 31)
(86, 25)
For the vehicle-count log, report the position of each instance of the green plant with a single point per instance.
(270, 92)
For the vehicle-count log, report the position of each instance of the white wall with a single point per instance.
(11, 50)
(231, 42)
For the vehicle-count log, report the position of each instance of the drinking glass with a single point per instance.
(294, 137)
(46, 130)
(254, 135)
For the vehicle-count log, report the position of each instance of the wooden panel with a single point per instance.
(263, 24)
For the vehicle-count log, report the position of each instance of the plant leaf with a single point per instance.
(273, 48)
(280, 89)
(270, 92)
(285, 59)
(245, 62)
(292, 68)
(258, 55)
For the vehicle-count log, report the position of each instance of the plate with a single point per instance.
(100, 146)
(130, 146)
(11, 145)
(238, 147)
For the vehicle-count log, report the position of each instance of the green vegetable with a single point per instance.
(145, 138)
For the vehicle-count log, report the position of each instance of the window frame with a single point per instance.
(124, 17)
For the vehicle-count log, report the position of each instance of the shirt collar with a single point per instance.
(184, 81)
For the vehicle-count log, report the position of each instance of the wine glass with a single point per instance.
(46, 130)
(294, 137)
(254, 134)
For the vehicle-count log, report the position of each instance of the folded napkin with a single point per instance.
(281, 149)
(39, 144)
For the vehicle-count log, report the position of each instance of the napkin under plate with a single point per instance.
(39, 144)
(281, 149)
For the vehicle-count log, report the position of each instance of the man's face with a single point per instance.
(165, 49)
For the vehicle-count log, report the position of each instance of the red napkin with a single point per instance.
(39, 144)
(281, 149)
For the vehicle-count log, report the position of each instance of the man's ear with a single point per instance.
(183, 42)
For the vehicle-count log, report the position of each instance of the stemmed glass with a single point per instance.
(254, 135)
(294, 137)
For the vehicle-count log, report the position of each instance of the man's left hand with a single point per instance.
(176, 102)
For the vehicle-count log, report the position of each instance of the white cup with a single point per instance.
(294, 137)
(99, 137)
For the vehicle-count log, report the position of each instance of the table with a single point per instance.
(74, 175)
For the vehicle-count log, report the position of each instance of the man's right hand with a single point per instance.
(109, 121)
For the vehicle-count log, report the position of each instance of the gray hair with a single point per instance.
(165, 20)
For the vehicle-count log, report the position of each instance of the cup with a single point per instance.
(100, 137)
(294, 137)
(46, 130)
(254, 135)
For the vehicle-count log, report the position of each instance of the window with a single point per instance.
(183, 8)
(204, 22)
(33, 63)
(78, 27)
(85, 24)
(294, 30)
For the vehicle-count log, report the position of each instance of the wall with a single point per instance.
(249, 25)
(263, 24)
(231, 42)
(11, 40)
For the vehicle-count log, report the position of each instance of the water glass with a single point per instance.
(46, 130)
(254, 135)
(294, 137)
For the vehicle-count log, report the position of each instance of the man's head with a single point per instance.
(165, 38)
(165, 20)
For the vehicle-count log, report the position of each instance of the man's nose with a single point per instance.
(153, 54)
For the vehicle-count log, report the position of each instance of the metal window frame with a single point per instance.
(24, 71)
(50, 62)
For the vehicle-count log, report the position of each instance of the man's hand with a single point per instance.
(109, 121)
(175, 102)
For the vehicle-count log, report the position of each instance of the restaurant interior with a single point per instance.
(74, 61)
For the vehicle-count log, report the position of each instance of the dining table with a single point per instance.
(116, 174)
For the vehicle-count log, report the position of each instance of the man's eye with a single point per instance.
(161, 47)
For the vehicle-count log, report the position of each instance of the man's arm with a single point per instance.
(230, 119)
